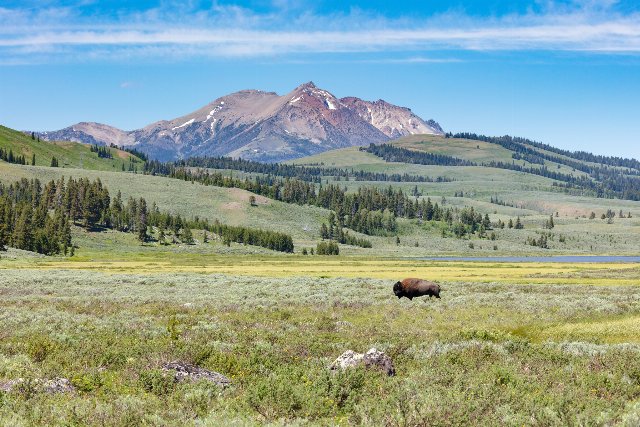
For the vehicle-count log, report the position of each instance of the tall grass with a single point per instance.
(491, 354)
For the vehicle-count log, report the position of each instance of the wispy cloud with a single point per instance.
(231, 31)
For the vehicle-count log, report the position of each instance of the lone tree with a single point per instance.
(518, 225)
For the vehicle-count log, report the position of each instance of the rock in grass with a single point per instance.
(56, 385)
(373, 359)
(187, 372)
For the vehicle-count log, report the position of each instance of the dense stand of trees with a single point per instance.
(142, 156)
(303, 173)
(103, 152)
(9, 157)
(577, 155)
(370, 210)
(396, 154)
(606, 178)
(335, 232)
(327, 248)
(37, 218)
(30, 220)
(602, 181)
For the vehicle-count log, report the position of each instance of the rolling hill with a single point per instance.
(69, 154)
(516, 194)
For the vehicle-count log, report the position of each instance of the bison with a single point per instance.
(412, 288)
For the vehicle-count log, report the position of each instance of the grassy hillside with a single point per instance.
(531, 197)
(69, 154)
(229, 205)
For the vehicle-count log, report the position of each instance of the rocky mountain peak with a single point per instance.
(262, 126)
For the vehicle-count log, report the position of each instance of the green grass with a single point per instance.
(475, 151)
(486, 353)
(69, 154)
(229, 205)
(508, 344)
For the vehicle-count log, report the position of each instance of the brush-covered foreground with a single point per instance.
(492, 351)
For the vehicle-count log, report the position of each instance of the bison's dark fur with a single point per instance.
(412, 288)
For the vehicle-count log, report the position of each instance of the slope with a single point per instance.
(69, 154)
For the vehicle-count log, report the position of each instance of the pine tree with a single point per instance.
(324, 232)
(518, 225)
(142, 220)
(486, 222)
(510, 223)
(33, 159)
(23, 234)
(187, 236)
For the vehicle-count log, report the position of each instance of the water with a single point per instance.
(543, 259)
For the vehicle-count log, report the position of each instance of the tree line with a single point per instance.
(303, 173)
(369, 210)
(396, 154)
(609, 180)
(28, 222)
(577, 155)
(103, 152)
(9, 157)
(603, 182)
(37, 218)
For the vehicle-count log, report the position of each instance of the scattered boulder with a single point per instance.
(348, 359)
(187, 372)
(378, 359)
(373, 359)
(53, 386)
(58, 385)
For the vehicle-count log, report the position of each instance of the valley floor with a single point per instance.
(508, 344)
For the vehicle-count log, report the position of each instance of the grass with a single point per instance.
(508, 344)
(502, 347)
(475, 151)
(229, 205)
(69, 154)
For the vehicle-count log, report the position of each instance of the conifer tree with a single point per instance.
(187, 236)
(142, 223)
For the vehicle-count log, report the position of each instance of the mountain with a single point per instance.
(262, 126)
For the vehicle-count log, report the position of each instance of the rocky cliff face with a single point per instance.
(262, 126)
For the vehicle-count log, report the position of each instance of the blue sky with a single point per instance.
(565, 72)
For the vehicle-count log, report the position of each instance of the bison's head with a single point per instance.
(397, 289)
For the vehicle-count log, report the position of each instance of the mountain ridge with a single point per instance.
(260, 125)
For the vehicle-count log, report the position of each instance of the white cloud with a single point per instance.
(231, 31)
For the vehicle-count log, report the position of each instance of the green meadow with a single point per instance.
(515, 344)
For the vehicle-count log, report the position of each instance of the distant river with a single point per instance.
(561, 258)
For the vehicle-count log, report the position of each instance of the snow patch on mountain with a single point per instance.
(187, 123)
